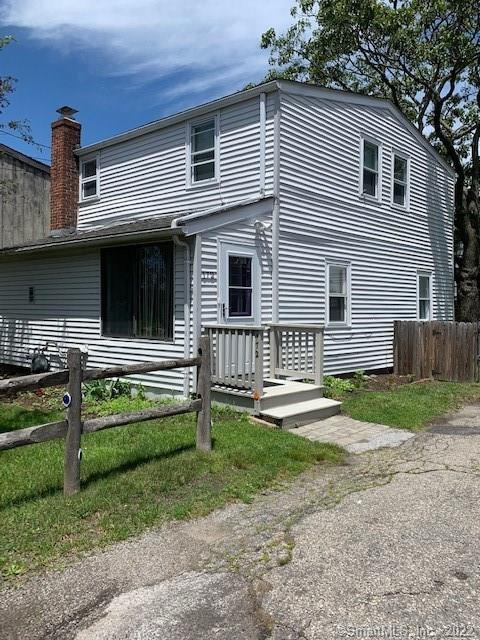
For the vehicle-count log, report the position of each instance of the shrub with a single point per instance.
(337, 386)
(109, 389)
(359, 378)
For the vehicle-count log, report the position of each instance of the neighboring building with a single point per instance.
(24, 198)
(285, 203)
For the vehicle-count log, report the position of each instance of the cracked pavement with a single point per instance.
(385, 546)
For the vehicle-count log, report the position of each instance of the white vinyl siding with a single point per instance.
(67, 313)
(147, 176)
(323, 220)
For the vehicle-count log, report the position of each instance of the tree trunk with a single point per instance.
(467, 212)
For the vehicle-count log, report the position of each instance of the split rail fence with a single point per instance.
(73, 427)
(441, 350)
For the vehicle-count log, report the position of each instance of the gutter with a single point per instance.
(94, 241)
(214, 210)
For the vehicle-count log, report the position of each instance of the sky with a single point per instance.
(122, 63)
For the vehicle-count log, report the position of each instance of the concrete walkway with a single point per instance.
(353, 435)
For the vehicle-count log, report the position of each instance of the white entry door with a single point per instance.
(239, 284)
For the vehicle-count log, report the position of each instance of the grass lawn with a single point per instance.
(409, 406)
(132, 478)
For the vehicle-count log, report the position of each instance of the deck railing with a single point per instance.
(237, 356)
(296, 350)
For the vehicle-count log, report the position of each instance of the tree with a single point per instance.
(20, 127)
(424, 55)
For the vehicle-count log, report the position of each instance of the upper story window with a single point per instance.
(89, 179)
(203, 151)
(338, 302)
(424, 287)
(400, 180)
(370, 169)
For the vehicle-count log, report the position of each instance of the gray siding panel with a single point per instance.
(146, 176)
(323, 217)
(66, 313)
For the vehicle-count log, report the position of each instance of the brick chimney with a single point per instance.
(64, 173)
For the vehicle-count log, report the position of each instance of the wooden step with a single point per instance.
(296, 414)
(289, 392)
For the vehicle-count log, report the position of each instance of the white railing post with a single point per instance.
(318, 357)
(273, 350)
(258, 390)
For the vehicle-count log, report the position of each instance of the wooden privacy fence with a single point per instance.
(73, 427)
(440, 350)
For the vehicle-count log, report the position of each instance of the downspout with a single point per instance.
(186, 306)
(276, 208)
(263, 134)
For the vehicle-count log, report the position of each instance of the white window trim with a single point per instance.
(348, 307)
(367, 196)
(82, 180)
(429, 275)
(226, 249)
(188, 149)
(406, 157)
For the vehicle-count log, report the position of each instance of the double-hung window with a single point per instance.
(424, 289)
(370, 169)
(400, 181)
(338, 294)
(203, 151)
(137, 291)
(89, 179)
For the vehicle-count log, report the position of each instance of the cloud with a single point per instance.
(201, 46)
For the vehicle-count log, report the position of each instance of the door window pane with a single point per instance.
(239, 286)
(239, 302)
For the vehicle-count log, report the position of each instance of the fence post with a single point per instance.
(71, 475)
(204, 383)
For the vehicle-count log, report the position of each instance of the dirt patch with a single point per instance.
(383, 382)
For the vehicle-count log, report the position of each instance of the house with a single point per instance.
(292, 223)
(24, 198)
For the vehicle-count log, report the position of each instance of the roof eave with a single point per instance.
(99, 241)
(288, 86)
(194, 112)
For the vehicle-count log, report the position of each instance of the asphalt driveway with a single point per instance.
(387, 546)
